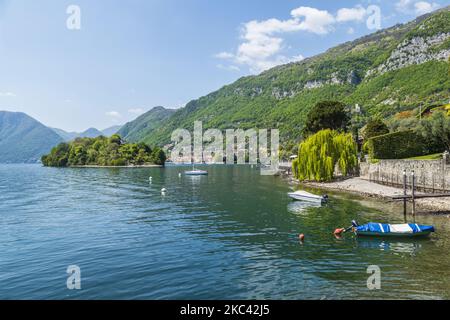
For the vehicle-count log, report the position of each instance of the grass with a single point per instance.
(436, 156)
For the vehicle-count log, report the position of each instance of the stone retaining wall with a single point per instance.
(431, 175)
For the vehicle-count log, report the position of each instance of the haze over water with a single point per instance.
(229, 235)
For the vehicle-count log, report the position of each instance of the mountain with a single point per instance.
(89, 133)
(24, 139)
(392, 70)
(144, 125)
(111, 130)
(66, 136)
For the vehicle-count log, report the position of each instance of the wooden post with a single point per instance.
(413, 196)
(404, 193)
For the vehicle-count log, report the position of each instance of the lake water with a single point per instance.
(230, 235)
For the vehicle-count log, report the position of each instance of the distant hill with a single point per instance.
(24, 139)
(389, 71)
(111, 130)
(143, 126)
(89, 133)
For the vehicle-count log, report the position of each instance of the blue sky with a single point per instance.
(130, 56)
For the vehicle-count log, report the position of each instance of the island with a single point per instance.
(103, 152)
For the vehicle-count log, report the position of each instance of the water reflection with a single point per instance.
(405, 246)
(300, 207)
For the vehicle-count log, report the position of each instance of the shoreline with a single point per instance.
(111, 167)
(369, 189)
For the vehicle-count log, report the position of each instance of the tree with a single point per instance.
(158, 156)
(102, 151)
(320, 153)
(436, 129)
(326, 115)
(375, 127)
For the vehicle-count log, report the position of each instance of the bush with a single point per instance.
(436, 130)
(399, 145)
(320, 153)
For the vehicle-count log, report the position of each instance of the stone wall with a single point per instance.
(430, 175)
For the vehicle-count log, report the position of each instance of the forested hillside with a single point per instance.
(393, 70)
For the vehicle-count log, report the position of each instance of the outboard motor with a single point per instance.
(325, 197)
(355, 224)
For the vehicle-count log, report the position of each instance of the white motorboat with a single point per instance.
(306, 196)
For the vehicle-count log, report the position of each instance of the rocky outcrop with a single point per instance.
(334, 79)
(414, 51)
(279, 94)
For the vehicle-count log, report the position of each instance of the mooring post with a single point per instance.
(413, 196)
(404, 193)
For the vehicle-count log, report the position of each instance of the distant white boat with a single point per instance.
(195, 172)
(306, 196)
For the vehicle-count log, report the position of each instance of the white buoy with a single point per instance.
(163, 191)
(179, 175)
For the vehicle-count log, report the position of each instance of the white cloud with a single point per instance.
(423, 7)
(136, 111)
(316, 21)
(351, 14)
(416, 7)
(350, 30)
(7, 94)
(113, 114)
(262, 44)
(224, 55)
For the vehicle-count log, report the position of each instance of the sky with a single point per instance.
(93, 63)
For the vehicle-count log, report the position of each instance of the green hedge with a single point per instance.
(398, 145)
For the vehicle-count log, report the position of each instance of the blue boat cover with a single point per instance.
(394, 228)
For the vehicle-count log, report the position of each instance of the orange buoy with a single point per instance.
(301, 237)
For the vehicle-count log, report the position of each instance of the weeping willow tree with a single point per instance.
(320, 153)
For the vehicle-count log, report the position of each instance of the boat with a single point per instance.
(306, 196)
(393, 230)
(196, 172)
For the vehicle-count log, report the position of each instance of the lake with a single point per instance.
(230, 235)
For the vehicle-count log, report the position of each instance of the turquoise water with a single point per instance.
(230, 235)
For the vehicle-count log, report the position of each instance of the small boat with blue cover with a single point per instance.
(392, 230)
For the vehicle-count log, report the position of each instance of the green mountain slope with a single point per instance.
(145, 124)
(23, 139)
(391, 70)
